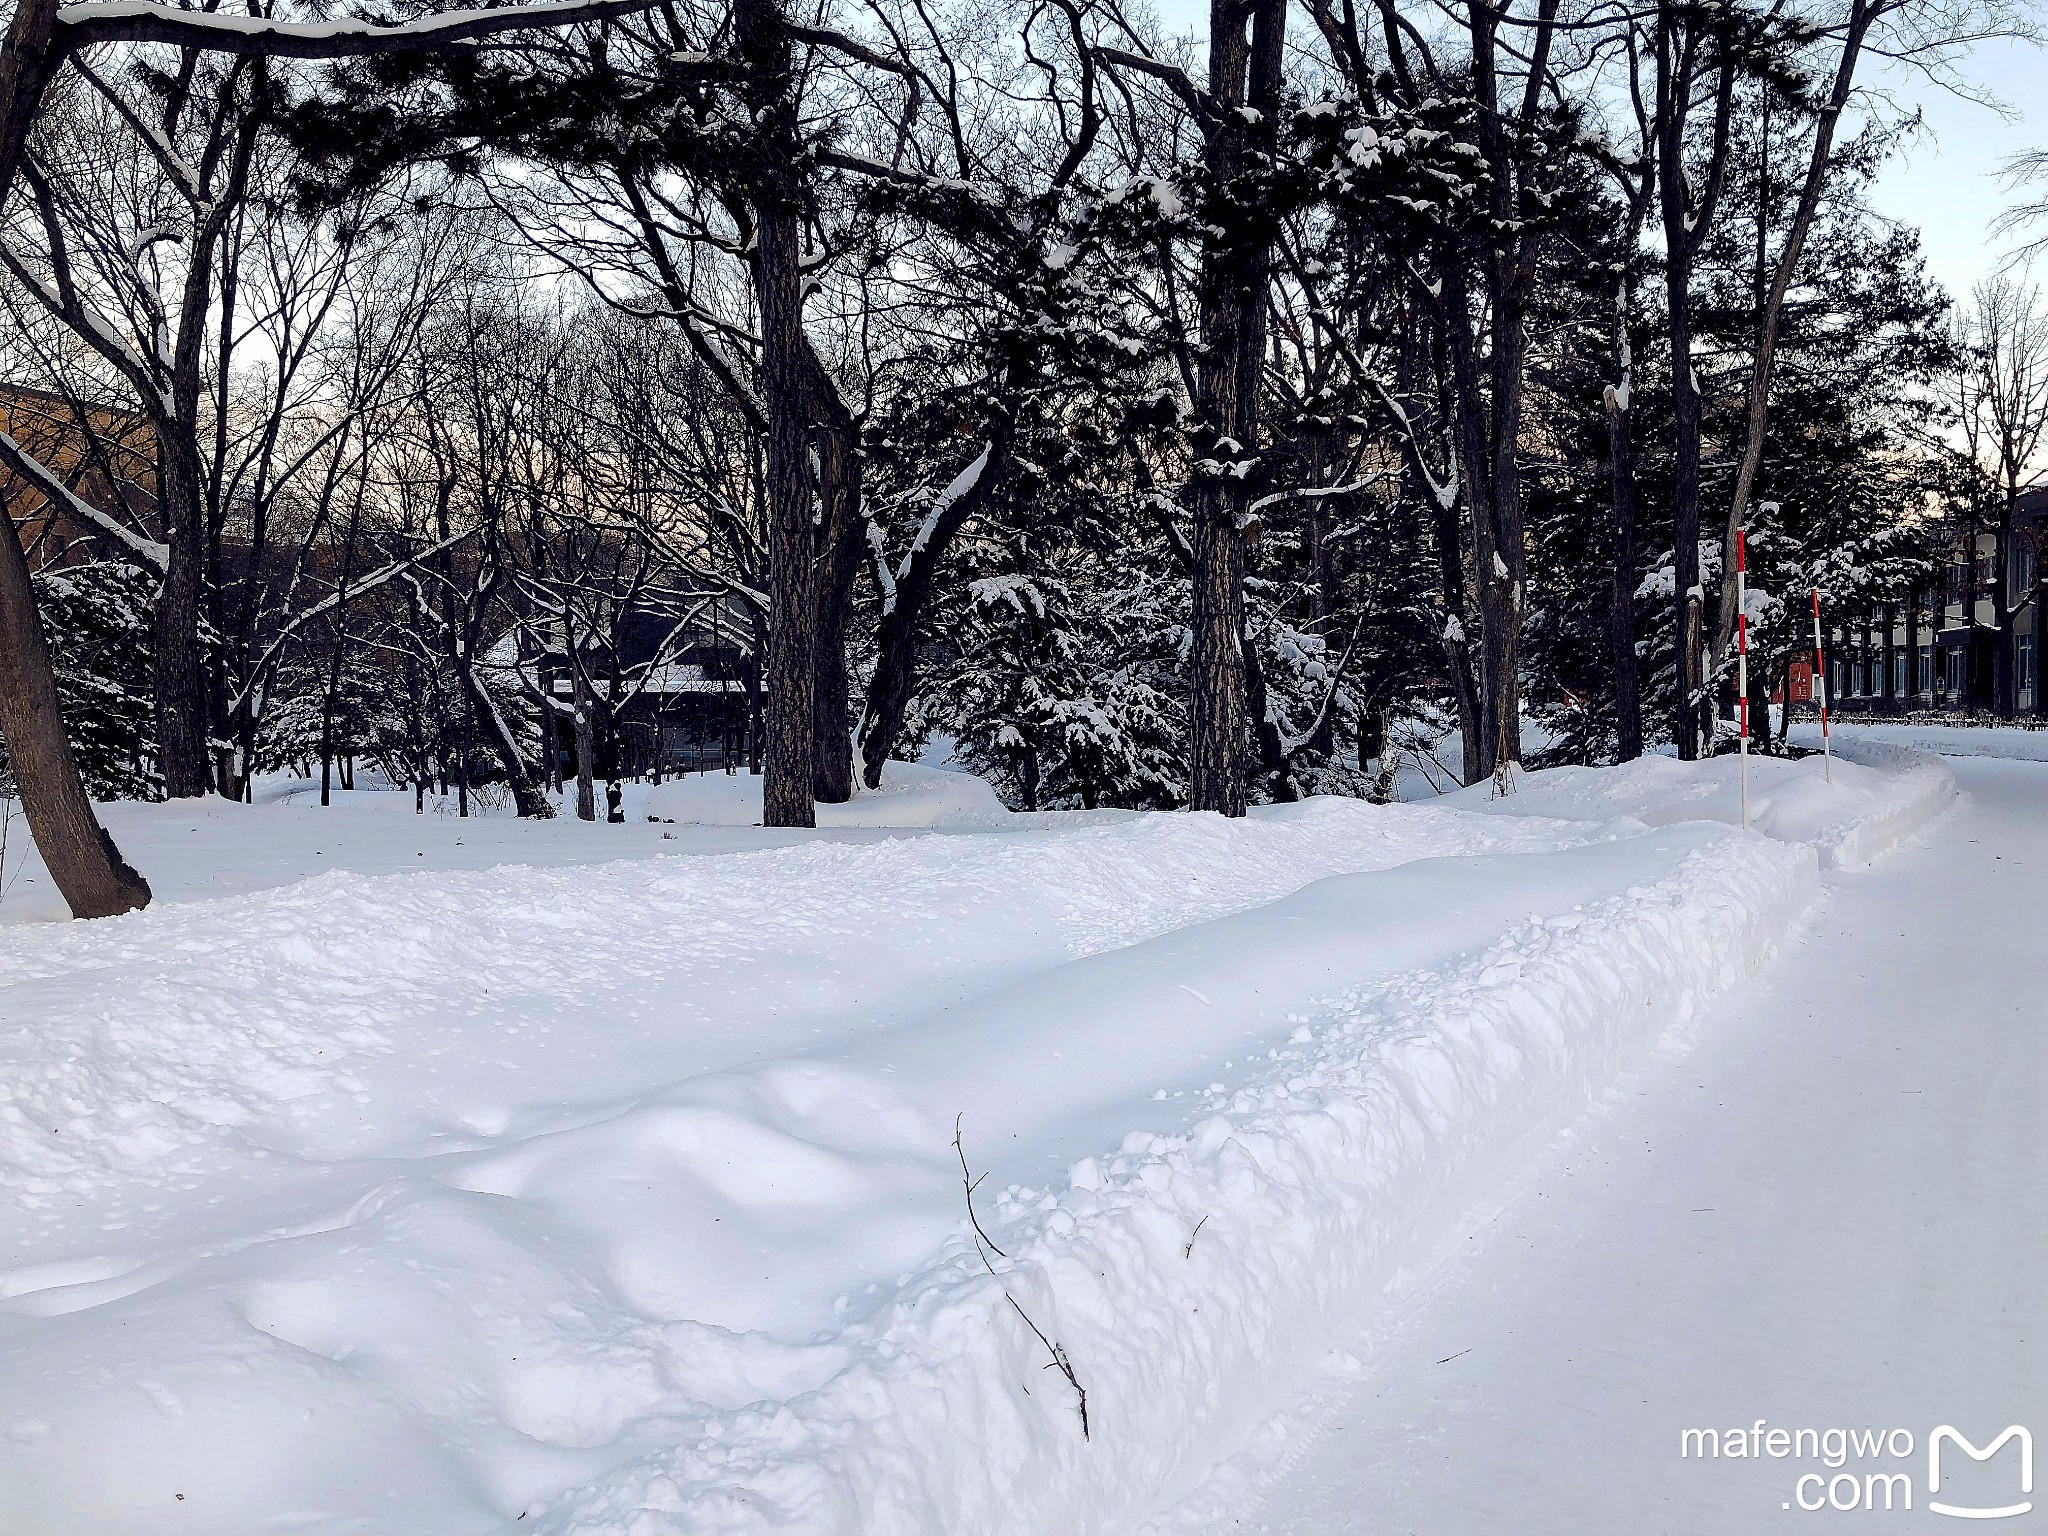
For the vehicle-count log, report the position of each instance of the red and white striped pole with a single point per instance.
(1820, 692)
(1742, 659)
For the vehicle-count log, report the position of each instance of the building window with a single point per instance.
(2024, 670)
(1924, 681)
(1899, 688)
(1952, 672)
(2021, 574)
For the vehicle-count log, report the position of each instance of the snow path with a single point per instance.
(1830, 1212)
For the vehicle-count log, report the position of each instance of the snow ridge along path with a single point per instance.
(623, 1200)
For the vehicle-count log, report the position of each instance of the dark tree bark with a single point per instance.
(894, 682)
(1244, 71)
(586, 753)
(790, 756)
(1687, 220)
(88, 869)
(1621, 468)
(839, 546)
(30, 55)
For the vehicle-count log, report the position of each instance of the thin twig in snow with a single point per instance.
(1059, 1362)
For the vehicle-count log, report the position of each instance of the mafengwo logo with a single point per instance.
(1869, 1469)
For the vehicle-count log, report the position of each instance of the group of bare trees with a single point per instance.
(869, 323)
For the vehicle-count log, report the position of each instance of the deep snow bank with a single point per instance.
(622, 1200)
(1879, 793)
(1189, 1278)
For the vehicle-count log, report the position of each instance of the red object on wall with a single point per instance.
(1799, 684)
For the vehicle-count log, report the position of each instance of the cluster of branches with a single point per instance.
(1159, 433)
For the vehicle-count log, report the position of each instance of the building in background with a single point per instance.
(1943, 649)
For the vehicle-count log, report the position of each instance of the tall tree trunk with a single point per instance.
(1502, 575)
(839, 546)
(1420, 482)
(181, 693)
(1888, 615)
(1470, 421)
(1621, 623)
(586, 753)
(1687, 219)
(1244, 71)
(179, 678)
(1685, 496)
(1457, 642)
(790, 758)
(2005, 642)
(88, 869)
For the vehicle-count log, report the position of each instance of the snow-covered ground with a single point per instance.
(415, 1175)
(1823, 1213)
(2009, 742)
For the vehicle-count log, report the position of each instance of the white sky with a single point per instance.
(1947, 182)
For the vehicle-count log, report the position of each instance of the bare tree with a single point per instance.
(2002, 409)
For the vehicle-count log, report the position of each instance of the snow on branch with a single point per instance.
(335, 599)
(946, 500)
(147, 21)
(46, 480)
(1316, 492)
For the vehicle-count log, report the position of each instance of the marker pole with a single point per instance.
(1742, 660)
(1820, 692)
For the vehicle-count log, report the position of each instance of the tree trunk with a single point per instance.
(1244, 70)
(1889, 652)
(88, 869)
(894, 683)
(179, 679)
(1469, 409)
(790, 759)
(586, 753)
(839, 546)
(27, 61)
(2005, 647)
(1621, 470)
(531, 801)
(1457, 643)
(1685, 501)
(1686, 222)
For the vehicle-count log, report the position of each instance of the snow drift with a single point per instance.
(1878, 793)
(623, 1199)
